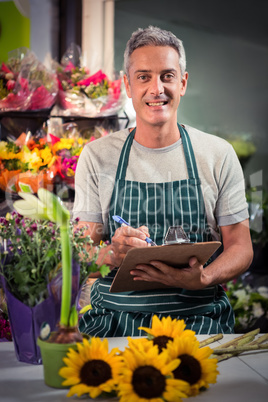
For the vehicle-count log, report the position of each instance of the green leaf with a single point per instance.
(73, 318)
(104, 270)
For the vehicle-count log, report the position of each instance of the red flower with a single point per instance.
(10, 85)
(99, 76)
(69, 67)
(5, 68)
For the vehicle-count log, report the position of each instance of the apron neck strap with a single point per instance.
(124, 156)
(188, 153)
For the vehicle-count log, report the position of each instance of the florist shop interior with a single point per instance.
(61, 87)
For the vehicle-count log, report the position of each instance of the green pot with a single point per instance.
(52, 355)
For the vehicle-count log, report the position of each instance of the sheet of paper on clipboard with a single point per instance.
(174, 253)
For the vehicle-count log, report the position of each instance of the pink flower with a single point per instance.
(23, 83)
(69, 67)
(99, 76)
(54, 139)
(10, 85)
(5, 68)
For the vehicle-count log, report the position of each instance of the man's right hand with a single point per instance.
(125, 238)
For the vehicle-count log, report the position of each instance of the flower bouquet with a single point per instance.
(44, 263)
(82, 93)
(168, 365)
(25, 83)
(26, 164)
(67, 149)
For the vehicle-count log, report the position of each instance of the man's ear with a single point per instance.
(127, 86)
(184, 81)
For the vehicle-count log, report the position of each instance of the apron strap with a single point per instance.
(188, 153)
(124, 156)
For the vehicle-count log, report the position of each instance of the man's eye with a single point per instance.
(168, 77)
(142, 77)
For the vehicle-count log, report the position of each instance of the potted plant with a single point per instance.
(41, 259)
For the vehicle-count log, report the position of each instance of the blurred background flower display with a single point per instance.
(83, 93)
(25, 83)
(31, 162)
(250, 305)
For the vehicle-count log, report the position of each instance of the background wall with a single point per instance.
(14, 29)
(226, 47)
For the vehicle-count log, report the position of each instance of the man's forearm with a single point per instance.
(230, 264)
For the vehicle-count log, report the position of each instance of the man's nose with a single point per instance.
(157, 87)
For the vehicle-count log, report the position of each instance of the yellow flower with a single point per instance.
(32, 158)
(5, 154)
(64, 143)
(147, 376)
(140, 344)
(166, 329)
(196, 367)
(46, 155)
(92, 369)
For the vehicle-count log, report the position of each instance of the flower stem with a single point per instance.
(212, 339)
(239, 349)
(244, 339)
(66, 292)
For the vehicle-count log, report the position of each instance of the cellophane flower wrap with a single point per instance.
(25, 83)
(27, 164)
(33, 161)
(30, 270)
(82, 92)
(67, 149)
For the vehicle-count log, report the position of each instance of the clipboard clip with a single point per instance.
(176, 234)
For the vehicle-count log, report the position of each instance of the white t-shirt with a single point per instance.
(220, 172)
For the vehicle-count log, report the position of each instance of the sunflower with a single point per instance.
(165, 330)
(91, 369)
(147, 376)
(195, 367)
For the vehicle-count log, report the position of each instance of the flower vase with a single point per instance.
(52, 358)
(52, 355)
(25, 322)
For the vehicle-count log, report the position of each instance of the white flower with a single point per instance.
(243, 321)
(48, 206)
(263, 291)
(242, 298)
(257, 309)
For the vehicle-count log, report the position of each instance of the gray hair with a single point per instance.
(154, 36)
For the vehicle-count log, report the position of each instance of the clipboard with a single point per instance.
(176, 255)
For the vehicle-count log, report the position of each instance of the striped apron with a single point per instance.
(158, 206)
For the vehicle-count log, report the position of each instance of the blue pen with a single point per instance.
(122, 222)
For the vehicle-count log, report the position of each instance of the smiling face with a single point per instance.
(155, 85)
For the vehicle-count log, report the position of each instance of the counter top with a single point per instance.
(242, 378)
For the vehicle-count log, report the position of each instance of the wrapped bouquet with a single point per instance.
(83, 93)
(26, 164)
(25, 83)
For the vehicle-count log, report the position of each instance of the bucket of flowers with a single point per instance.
(44, 262)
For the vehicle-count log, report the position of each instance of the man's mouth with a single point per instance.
(162, 103)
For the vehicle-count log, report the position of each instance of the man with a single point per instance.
(157, 175)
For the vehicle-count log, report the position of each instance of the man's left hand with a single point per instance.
(190, 278)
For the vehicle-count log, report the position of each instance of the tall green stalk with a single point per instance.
(66, 292)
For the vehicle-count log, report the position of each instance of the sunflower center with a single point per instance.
(95, 372)
(189, 369)
(148, 382)
(161, 341)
